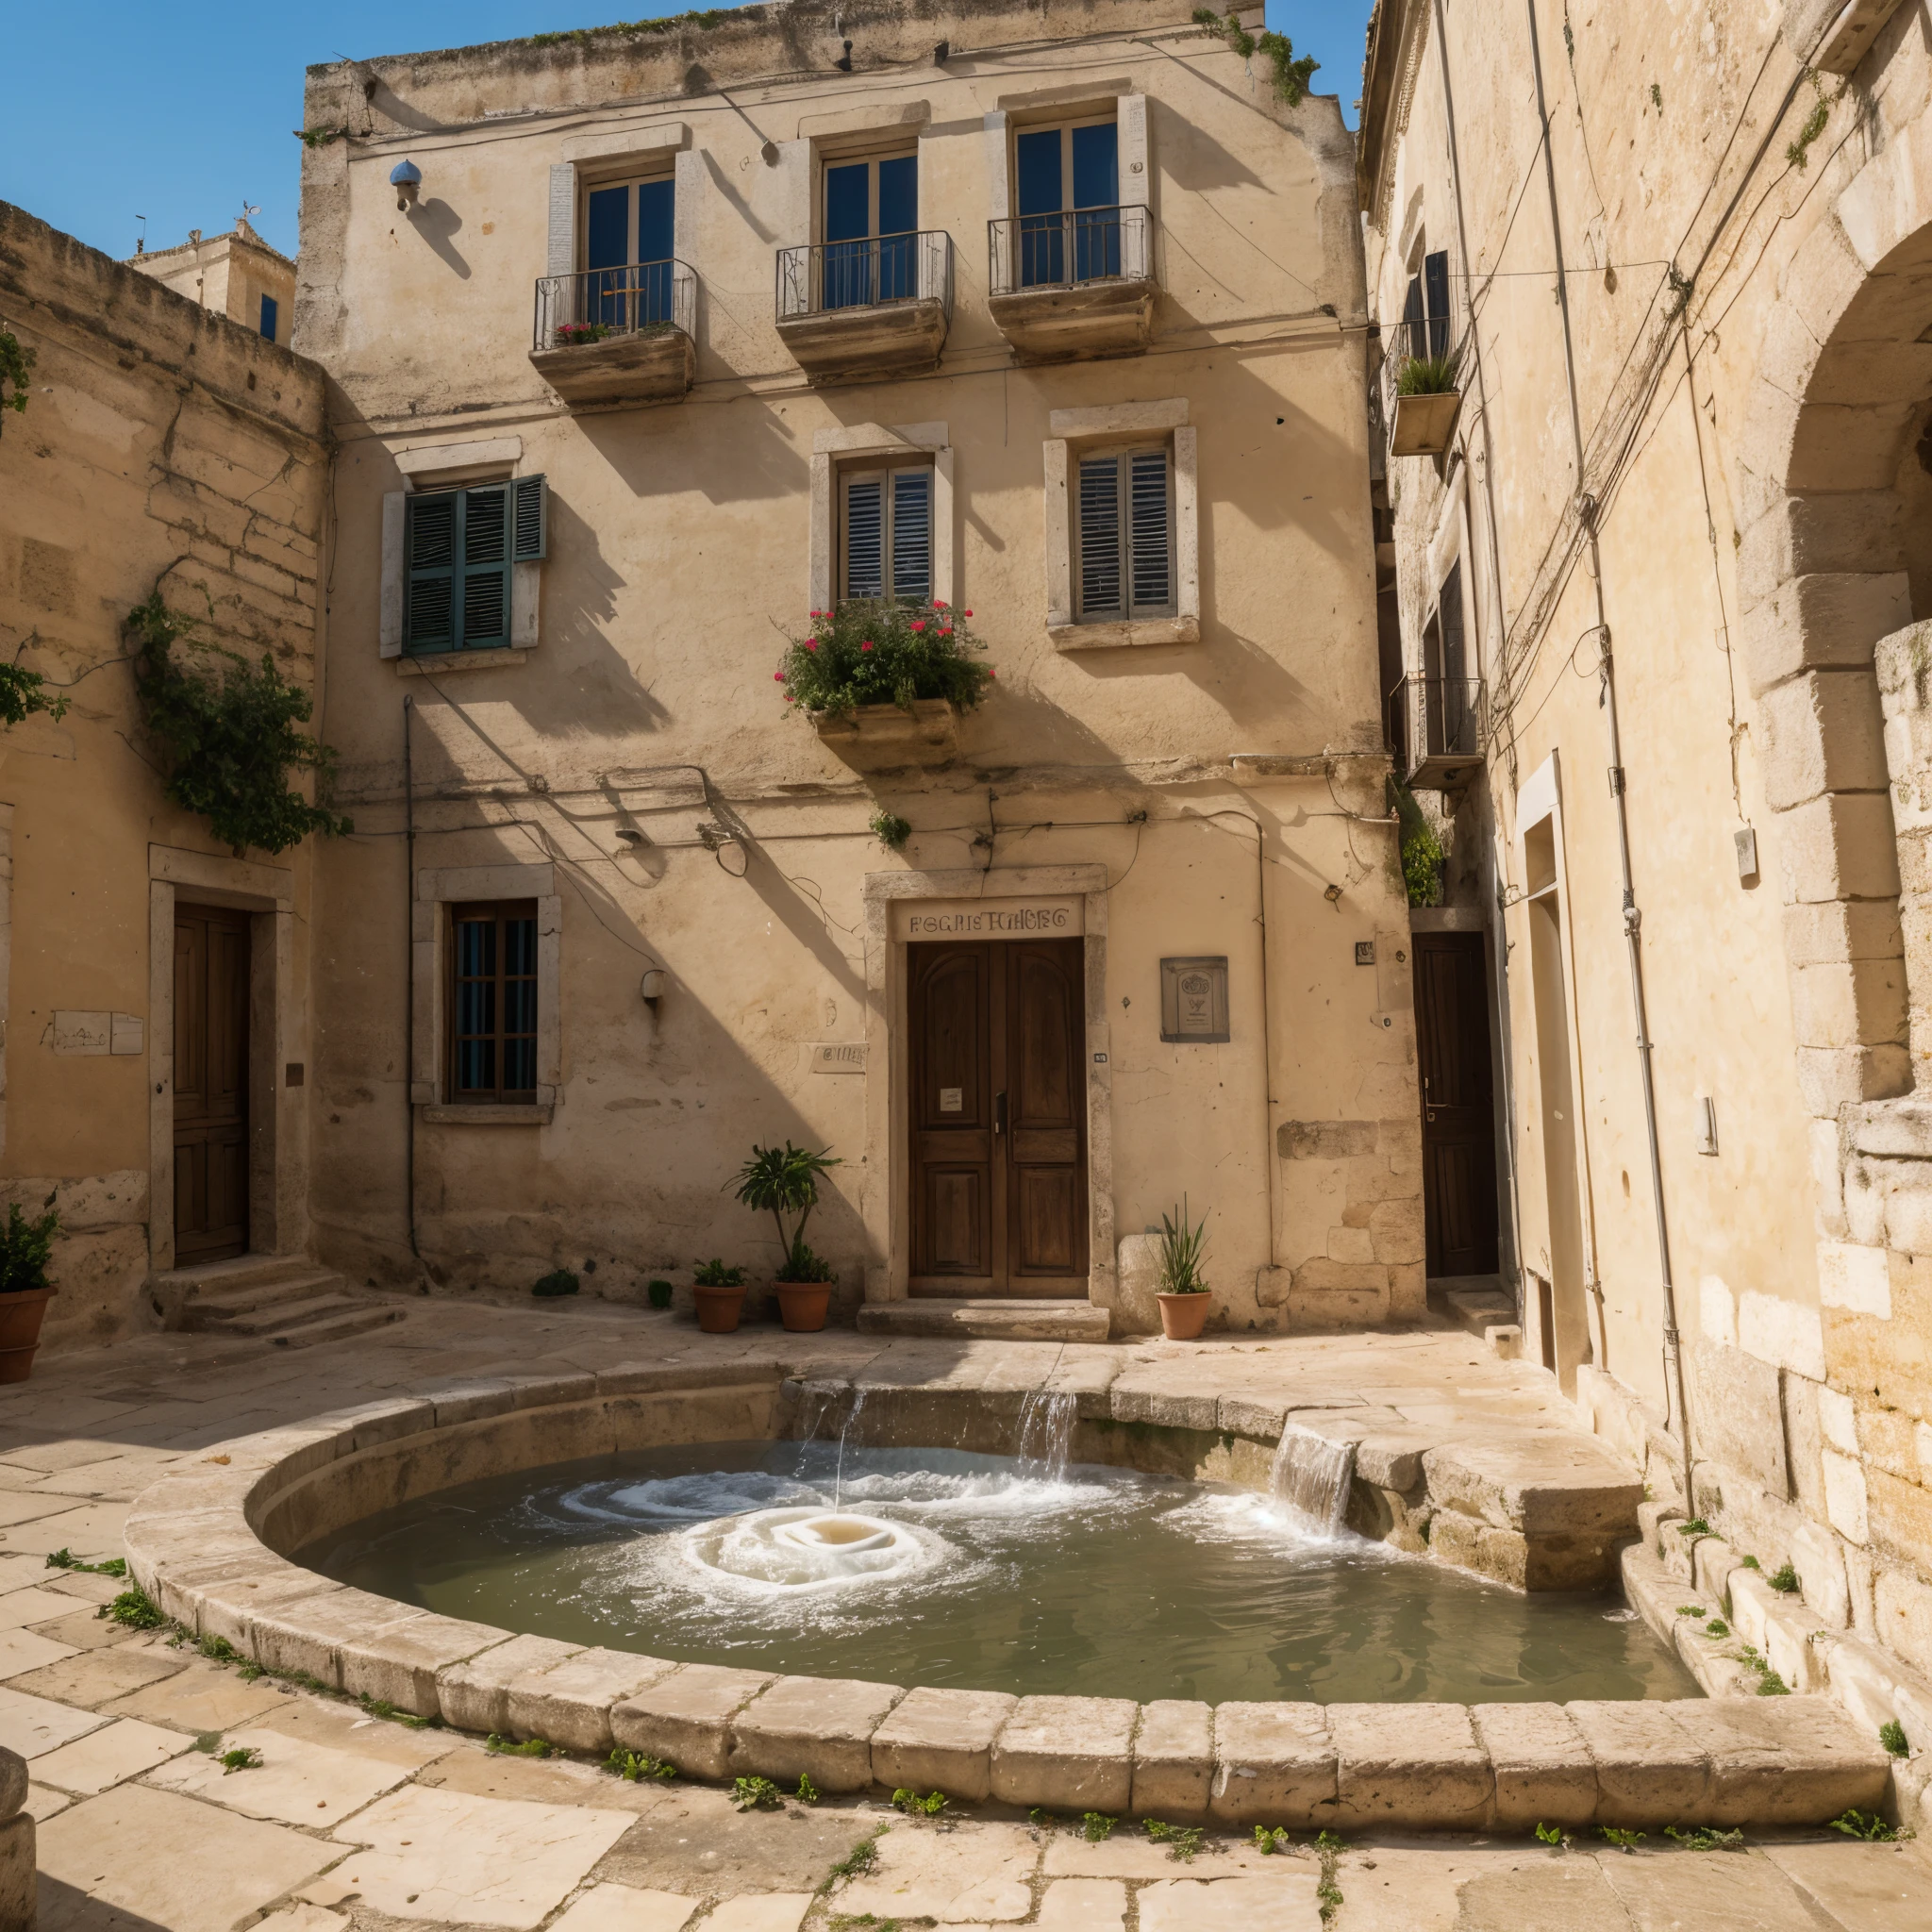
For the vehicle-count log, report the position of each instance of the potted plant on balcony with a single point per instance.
(719, 1292)
(1184, 1298)
(569, 334)
(781, 1181)
(25, 1247)
(1428, 399)
(884, 683)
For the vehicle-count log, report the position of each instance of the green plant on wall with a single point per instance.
(1291, 76)
(1422, 854)
(16, 365)
(27, 1248)
(23, 693)
(229, 734)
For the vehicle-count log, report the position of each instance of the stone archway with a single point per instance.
(1834, 492)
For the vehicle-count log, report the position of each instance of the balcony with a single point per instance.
(1075, 284)
(850, 311)
(1434, 728)
(617, 335)
(1420, 389)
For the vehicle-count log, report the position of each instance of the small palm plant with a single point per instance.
(781, 1181)
(1181, 1250)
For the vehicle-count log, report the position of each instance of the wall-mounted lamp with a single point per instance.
(406, 177)
(844, 63)
(653, 986)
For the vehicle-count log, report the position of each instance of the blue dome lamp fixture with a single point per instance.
(406, 177)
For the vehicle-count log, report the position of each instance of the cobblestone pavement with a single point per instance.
(349, 1823)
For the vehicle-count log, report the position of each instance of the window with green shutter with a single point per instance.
(460, 548)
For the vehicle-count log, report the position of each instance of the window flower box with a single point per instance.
(885, 737)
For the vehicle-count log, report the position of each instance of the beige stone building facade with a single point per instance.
(1649, 605)
(162, 447)
(237, 274)
(687, 296)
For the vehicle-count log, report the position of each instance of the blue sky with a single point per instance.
(182, 112)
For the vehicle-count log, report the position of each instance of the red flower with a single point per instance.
(811, 643)
(966, 613)
(919, 627)
(791, 697)
(992, 674)
(939, 603)
(948, 631)
(777, 677)
(867, 646)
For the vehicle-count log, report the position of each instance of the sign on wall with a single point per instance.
(1193, 1001)
(1063, 918)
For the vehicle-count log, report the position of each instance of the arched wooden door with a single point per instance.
(998, 1118)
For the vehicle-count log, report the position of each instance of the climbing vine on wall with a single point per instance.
(228, 729)
(23, 693)
(16, 365)
(1422, 849)
(1291, 76)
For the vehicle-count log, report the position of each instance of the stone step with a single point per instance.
(209, 1306)
(354, 1318)
(237, 1271)
(276, 1316)
(988, 1320)
(1478, 1303)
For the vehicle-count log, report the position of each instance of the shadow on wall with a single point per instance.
(662, 452)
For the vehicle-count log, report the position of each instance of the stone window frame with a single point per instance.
(454, 466)
(277, 1172)
(831, 449)
(438, 887)
(1081, 101)
(595, 159)
(1073, 433)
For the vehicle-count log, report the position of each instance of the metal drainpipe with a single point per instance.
(410, 980)
(1505, 1086)
(1633, 919)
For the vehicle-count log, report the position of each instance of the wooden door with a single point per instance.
(998, 1118)
(1451, 1023)
(210, 1083)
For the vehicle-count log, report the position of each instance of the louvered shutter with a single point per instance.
(913, 535)
(1126, 534)
(430, 538)
(865, 537)
(484, 619)
(1101, 586)
(531, 509)
(1150, 549)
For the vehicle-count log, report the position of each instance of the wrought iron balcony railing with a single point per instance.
(604, 302)
(1070, 249)
(1435, 727)
(822, 277)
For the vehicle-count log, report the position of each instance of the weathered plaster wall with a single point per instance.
(160, 445)
(1753, 419)
(679, 560)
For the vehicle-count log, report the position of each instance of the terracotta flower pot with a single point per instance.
(719, 1308)
(802, 1305)
(20, 1315)
(1183, 1316)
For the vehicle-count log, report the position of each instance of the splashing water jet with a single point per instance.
(1310, 1479)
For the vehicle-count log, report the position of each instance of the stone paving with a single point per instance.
(350, 1823)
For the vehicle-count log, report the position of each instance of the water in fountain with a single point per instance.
(1311, 1477)
(1046, 1434)
(816, 1403)
(851, 1417)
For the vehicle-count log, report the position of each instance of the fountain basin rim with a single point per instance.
(203, 1544)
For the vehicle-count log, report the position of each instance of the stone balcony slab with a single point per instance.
(816, 1728)
(941, 1741)
(649, 366)
(1073, 1753)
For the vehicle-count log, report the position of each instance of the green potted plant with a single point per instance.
(1185, 1302)
(1428, 399)
(719, 1295)
(25, 1247)
(781, 1181)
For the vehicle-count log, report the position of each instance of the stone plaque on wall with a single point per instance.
(1193, 1001)
(1061, 918)
(838, 1057)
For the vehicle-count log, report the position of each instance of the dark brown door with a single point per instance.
(998, 1118)
(210, 1083)
(1452, 1025)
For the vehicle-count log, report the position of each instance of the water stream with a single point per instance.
(1310, 1478)
(1046, 1434)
